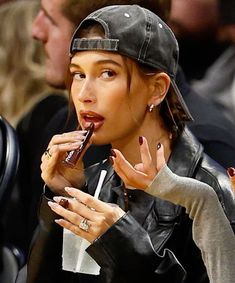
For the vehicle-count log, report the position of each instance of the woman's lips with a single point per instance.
(88, 117)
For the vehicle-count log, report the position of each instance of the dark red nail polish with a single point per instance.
(141, 140)
(159, 146)
(231, 171)
(113, 153)
(64, 202)
(111, 160)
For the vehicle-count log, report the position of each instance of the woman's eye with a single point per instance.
(107, 74)
(78, 76)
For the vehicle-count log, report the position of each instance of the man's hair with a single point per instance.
(76, 10)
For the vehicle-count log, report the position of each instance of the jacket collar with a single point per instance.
(186, 155)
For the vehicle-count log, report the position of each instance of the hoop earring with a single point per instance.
(151, 107)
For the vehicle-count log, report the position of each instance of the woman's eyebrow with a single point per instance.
(108, 61)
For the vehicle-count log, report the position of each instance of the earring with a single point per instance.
(151, 107)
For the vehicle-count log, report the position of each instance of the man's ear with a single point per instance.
(159, 86)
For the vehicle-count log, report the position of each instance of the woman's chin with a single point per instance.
(98, 140)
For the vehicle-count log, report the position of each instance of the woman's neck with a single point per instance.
(154, 132)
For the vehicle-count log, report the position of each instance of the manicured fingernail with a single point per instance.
(64, 203)
(231, 171)
(141, 140)
(159, 146)
(111, 160)
(69, 189)
(52, 204)
(113, 153)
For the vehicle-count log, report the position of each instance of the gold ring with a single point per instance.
(84, 225)
(47, 153)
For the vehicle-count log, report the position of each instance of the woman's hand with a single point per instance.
(85, 215)
(231, 174)
(55, 173)
(141, 175)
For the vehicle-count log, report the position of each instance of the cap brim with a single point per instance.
(178, 97)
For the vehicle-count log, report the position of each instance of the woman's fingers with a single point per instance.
(231, 174)
(142, 174)
(72, 222)
(59, 149)
(68, 214)
(124, 168)
(48, 168)
(89, 201)
(67, 137)
(89, 235)
(74, 205)
(72, 227)
(54, 172)
(132, 177)
(145, 155)
(160, 158)
(97, 210)
(98, 215)
(63, 143)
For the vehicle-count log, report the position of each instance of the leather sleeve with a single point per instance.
(126, 254)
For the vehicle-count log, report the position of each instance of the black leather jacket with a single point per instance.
(152, 242)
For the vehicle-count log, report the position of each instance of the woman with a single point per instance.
(123, 64)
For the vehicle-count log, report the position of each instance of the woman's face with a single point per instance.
(102, 94)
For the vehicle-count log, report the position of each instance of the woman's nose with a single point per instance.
(87, 92)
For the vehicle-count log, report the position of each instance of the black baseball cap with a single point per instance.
(139, 34)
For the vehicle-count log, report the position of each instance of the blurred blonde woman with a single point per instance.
(22, 81)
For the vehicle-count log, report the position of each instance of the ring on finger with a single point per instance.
(84, 225)
(47, 153)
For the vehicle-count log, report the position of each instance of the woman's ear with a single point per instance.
(159, 85)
